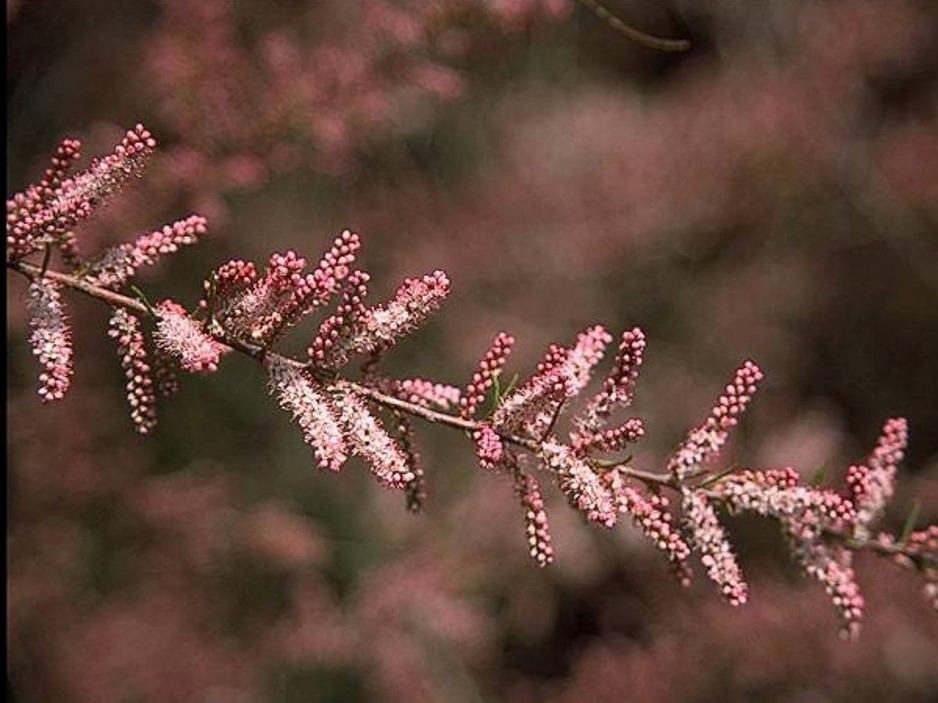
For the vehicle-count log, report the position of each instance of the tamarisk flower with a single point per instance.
(47, 212)
(264, 308)
(312, 409)
(805, 513)
(561, 374)
(536, 526)
(415, 492)
(369, 440)
(705, 441)
(333, 268)
(50, 338)
(415, 300)
(256, 312)
(832, 566)
(183, 338)
(333, 343)
(427, 393)
(120, 263)
(777, 493)
(532, 405)
(30, 224)
(650, 514)
(587, 351)
(618, 387)
(709, 539)
(489, 448)
(312, 290)
(228, 279)
(124, 328)
(484, 378)
(106, 175)
(419, 391)
(870, 487)
(611, 440)
(579, 483)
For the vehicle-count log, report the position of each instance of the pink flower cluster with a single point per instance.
(339, 418)
(260, 309)
(47, 212)
(710, 540)
(50, 338)
(368, 439)
(650, 515)
(31, 221)
(415, 300)
(536, 526)
(311, 410)
(423, 392)
(119, 264)
(619, 386)
(872, 486)
(44, 216)
(484, 378)
(580, 483)
(705, 441)
(806, 514)
(132, 352)
(182, 337)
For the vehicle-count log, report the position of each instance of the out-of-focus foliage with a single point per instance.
(772, 193)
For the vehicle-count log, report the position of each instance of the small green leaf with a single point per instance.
(498, 393)
(143, 299)
(818, 477)
(910, 521)
(716, 477)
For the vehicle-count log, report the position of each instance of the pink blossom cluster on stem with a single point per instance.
(131, 351)
(578, 446)
(50, 338)
(705, 441)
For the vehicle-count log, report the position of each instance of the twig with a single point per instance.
(637, 36)
(259, 354)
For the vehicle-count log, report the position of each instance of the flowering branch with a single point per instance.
(249, 310)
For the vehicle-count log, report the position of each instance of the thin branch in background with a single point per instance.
(635, 35)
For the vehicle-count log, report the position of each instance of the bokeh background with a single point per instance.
(771, 193)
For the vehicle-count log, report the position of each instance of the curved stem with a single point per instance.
(639, 37)
(259, 354)
(651, 480)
